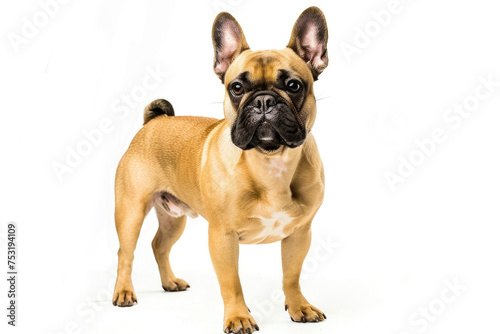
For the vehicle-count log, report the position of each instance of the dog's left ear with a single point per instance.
(229, 41)
(309, 38)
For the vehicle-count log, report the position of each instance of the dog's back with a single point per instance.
(153, 159)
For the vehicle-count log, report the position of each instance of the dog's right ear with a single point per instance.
(309, 39)
(229, 41)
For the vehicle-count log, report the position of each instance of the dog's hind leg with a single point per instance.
(169, 231)
(129, 216)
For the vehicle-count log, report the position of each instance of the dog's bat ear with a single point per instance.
(229, 41)
(309, 38)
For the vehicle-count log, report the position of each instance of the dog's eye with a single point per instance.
(237, 88)
(293, 86)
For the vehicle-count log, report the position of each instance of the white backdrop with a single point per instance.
(408, 114)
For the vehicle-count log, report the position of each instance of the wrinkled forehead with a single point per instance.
(267, 66)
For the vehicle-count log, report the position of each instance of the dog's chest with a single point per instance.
(272, 213)
(269, 224)
(273, 225)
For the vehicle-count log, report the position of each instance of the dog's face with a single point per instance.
(269, 100)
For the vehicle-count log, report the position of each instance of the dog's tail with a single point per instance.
(157, 108)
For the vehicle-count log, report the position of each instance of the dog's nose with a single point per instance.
(264, 102)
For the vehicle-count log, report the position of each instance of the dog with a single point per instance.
(256, 175)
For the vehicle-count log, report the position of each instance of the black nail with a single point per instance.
(303, 319)
(257, 328)
(324, 316)
(292, 319)
(286, 307)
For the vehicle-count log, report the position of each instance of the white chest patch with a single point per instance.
(274, 225)
(277, 167)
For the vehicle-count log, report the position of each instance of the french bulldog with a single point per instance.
(256, 176)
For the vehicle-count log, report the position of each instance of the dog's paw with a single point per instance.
(304, 312)
(177, 284)
(124, 298)
(240, 324)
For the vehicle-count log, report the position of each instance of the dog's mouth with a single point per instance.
(267, 126)
(267, 138)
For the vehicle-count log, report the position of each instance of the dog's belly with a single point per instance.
(172, 205)
(267, 228)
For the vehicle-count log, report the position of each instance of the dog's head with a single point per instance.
(269, 99)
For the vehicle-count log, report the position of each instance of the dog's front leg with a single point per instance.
(294, 249)
(224, 251)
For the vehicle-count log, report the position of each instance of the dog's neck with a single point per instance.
(275, 169)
